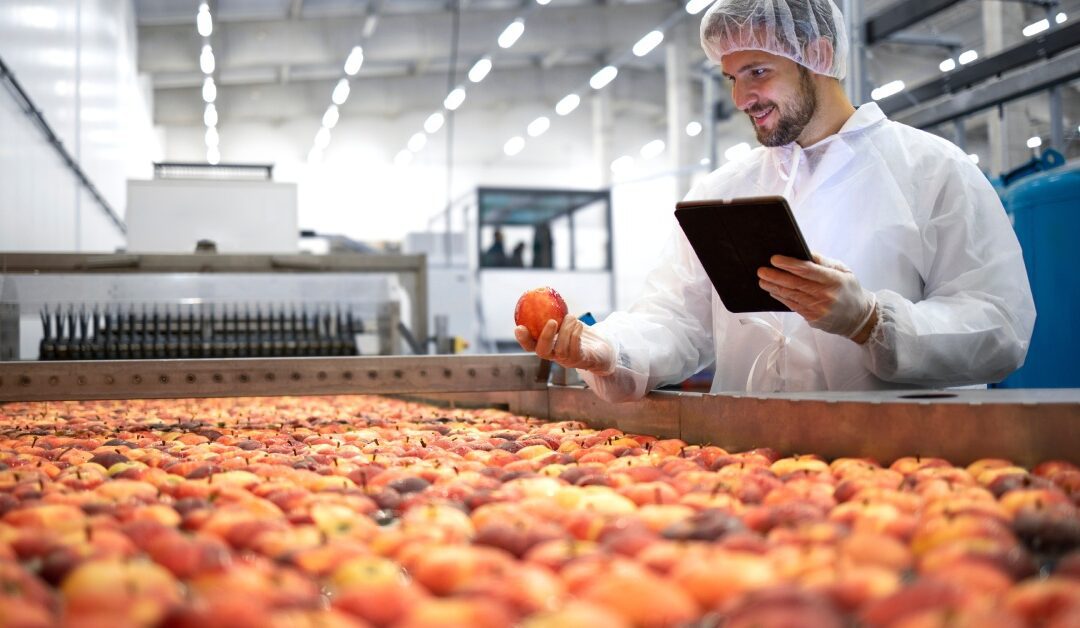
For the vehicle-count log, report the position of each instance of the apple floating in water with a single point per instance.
(536, 307)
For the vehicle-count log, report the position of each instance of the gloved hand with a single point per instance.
(825, 292)
(572, 345)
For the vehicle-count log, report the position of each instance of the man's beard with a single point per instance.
(791, 124)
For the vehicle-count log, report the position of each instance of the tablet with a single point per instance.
(734, 238)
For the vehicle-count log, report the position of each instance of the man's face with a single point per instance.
(777, 93)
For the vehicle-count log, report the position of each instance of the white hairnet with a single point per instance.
(789, 28)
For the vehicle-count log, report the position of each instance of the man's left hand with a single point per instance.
(825, 292)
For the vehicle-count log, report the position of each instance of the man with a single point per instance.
(936, 293)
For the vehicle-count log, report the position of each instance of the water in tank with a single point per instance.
(1045, 211)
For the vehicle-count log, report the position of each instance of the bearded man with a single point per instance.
(932, 290)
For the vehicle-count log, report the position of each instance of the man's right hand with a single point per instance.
(571, 345)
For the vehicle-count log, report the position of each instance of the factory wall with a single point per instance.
(76, 61)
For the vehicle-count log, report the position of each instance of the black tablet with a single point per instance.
(734, 238)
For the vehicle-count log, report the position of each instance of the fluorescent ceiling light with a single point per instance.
(434, 122)
(567, 104)
(693, 129)
(542, 2)
(695, 6)
(1034, 142)
(209, 90)
(209, 116)
(514, 145)
(403, 158)
(947, 65)
(212, 137)
(886, 90)
(203, 22)
(354, 61)
(370, 23)
(974, 158)
(206, 60)
(417, 142)
(454, 99)
(341, 92)
(704, 161)
(213, 156)
(604, 76)
(330, 118)
(479, 70)
(622, 164)
(967, 57)
(539, 126)
(737, 151)
(512, 33)
(1036, 28)
(652, 149)
(322, 138)
(646, 44)
(1060, 18)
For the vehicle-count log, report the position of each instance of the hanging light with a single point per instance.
(434, 122)
(567, 104)
(652, 149)
(479, 70)
(512, 33)
(322, 138)
(967, 57)
(622, 164)
(206, 60)
(403, 158)
(354, 61)
(693, 129)
(538, 126)
(695, 6)
(947, 65)
(213, 155)
(209, 116)
(341, 92)
(212, 138)
(417, 142)
(1035, 28)
(203, 22)
(454, 98)
(974, 158)
(514, 145)
(209, 90)
(1034, 142)
(646, 44)
(604, 76)
(331, 116)
(886, 90)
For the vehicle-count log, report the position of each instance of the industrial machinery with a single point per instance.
(494, 243)
(1040, 198)
(127, 306)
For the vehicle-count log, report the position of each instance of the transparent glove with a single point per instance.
(825, 292)
(573, 345)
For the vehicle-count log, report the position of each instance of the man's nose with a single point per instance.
(742, 97)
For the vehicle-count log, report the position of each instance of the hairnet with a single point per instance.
(788, 28)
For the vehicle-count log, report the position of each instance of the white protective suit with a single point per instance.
(915, 220)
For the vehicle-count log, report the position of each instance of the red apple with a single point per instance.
(536, 307)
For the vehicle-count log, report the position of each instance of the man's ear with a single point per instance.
(822, 49)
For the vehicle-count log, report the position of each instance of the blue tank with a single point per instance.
(1045, 211)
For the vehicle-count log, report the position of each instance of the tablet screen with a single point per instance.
(734, 238)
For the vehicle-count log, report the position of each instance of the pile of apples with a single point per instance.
(367, 511)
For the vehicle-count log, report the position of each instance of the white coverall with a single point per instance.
(915, 220)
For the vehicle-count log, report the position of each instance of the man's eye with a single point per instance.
(758, 72)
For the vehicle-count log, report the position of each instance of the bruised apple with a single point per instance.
(536, 307)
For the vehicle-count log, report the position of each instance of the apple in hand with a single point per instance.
(536, 307)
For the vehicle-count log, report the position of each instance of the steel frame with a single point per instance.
(1025, 426)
